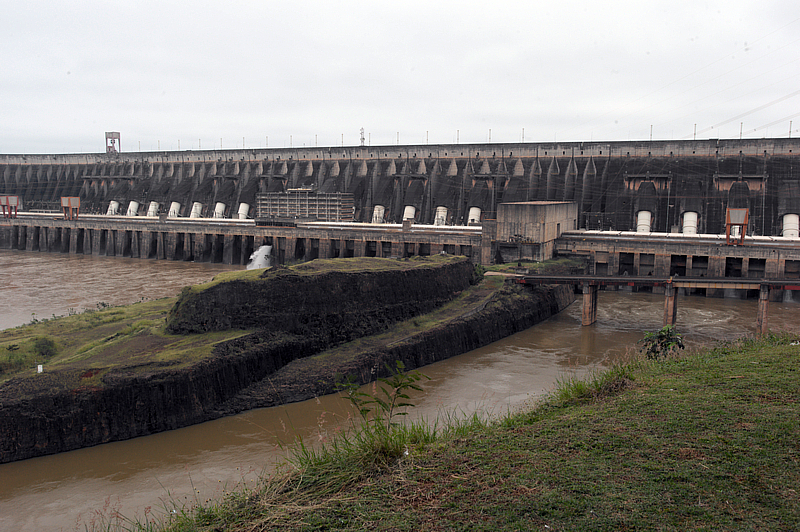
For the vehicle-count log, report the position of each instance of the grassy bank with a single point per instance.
(705, 441)
(78, 350)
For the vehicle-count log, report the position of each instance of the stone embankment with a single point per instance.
(296, 315)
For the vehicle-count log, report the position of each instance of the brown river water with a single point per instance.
(145, 477)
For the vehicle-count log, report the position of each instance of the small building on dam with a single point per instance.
(492, 202)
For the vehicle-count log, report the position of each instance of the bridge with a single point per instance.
(591, 285)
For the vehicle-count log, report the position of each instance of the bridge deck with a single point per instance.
(676, 282)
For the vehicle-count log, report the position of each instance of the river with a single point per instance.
(145, 476)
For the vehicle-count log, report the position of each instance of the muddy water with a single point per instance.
(145, 476)
(41, 285)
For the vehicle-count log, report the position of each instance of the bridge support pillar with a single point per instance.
(763, 306)
(589, 313)
(670, 304)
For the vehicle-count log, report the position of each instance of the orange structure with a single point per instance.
(736, 225)
(9, 205)
(71, 206)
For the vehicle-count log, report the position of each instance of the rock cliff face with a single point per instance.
(337, 305)
(139, 401)
(514, 309)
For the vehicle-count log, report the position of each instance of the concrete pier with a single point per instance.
(233, 242)
(589, 309)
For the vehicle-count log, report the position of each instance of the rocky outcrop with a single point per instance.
(137, 401)
(336, 305)
(514, 309)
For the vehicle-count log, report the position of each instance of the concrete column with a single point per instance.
(97, 239)
(661, 266)
(613, 263)
(637, 260)
(291, 246)
(87, 242)
(771, 268)
(359, 248)
(688, 265)
(73, 241)
(31, 239)
(54, 240)
(22, 237)
(246, 251)
(161, 252)
(670, 305)
(65, 236)
(198, 248)
(217, 248)
(14, 233)
(716, 268)
(589, 311)
(170, 240)
(227, 249)
(342, 248)
(324, 248)
(135, 239)
(43, 238)
(745, 267)
(486, 251)
(763, 307)
(397, 249)
(122, 242)
(111, 243)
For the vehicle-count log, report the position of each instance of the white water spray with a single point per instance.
(261, 258)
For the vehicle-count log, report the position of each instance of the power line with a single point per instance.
(751, 111)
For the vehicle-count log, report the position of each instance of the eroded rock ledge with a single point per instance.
(296, 316)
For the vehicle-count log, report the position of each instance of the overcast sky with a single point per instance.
(234, 73)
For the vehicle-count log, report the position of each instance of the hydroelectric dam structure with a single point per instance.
(629, 208)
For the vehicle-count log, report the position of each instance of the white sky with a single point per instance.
(307, 72)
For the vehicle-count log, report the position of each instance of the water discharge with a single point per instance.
(141, 476)
(261, 258)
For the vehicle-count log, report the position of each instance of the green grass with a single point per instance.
(705, 441)
(556, 266)
(99, 341)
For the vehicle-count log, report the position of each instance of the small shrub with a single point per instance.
(477, 274)
(662, 343)
(44, 346)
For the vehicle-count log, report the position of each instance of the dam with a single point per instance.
(635, 207)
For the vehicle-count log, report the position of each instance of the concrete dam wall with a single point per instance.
(662, 186)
